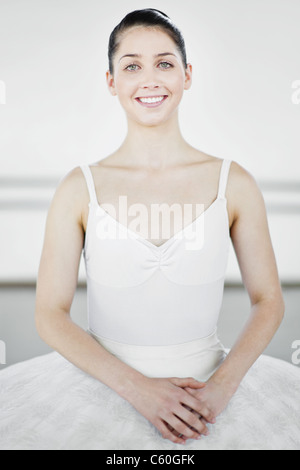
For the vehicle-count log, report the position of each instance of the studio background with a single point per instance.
(56, 113)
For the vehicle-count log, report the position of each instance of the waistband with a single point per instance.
(208, 343)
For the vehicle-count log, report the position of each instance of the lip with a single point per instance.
(151, 105)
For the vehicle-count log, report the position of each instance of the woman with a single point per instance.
(150, 364)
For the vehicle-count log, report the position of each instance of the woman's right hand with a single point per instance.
(172, 410)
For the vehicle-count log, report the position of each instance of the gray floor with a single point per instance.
(18, 334)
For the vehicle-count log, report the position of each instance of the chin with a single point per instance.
(154, 121)
(153, 117)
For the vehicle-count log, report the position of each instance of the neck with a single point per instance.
(154, 147)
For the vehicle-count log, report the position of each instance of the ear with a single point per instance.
(188, 77)
(111, 83)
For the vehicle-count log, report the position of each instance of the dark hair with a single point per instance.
(147, 17)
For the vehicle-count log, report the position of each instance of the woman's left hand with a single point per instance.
(214, 398)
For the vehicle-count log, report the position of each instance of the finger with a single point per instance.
(168, 432)
(212, 421)
(188, 382)
(193, 421)
(204, 421)
(184, 429)
(208, 416)
(175, 432)
(193, 391)
(196, 385)
(196, 405)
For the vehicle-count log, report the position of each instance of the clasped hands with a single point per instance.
(181, 408)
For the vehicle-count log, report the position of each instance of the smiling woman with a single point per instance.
(151, 365)
(143, 79)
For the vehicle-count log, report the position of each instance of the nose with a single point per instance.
(150, 85)
(149, 80)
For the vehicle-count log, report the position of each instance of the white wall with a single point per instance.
(56, 112)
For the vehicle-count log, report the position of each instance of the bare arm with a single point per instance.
(252, 243)
(159, 400)
(253, 247)
(56, 285)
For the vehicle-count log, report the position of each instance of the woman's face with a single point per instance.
(149, 76)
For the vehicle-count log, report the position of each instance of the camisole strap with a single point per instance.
(90, 183)
(224, 178)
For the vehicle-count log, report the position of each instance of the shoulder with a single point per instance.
(241, 183)
(240, 179)
(243, 193)
(71, 195)
(71, 180)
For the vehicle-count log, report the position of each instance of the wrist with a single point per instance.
(130, 386)
(228, 384)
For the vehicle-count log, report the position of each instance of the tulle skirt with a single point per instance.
(46, 403)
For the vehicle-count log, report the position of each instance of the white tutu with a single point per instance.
(46, 403)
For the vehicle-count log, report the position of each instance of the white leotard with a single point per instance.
(142, 294)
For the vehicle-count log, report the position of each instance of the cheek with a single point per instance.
(175, 82)
(123, 81)
(177, 86)
(125, 86)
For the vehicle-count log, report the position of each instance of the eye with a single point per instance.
(165, 65)
(132, 67)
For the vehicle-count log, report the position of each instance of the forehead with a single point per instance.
(146, 40)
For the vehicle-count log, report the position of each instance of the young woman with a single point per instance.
(151, 365)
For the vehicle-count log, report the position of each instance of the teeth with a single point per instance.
(152, 100)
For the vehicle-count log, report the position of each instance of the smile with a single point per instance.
(151, 101)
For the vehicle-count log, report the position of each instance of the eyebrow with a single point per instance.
(139, 55)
